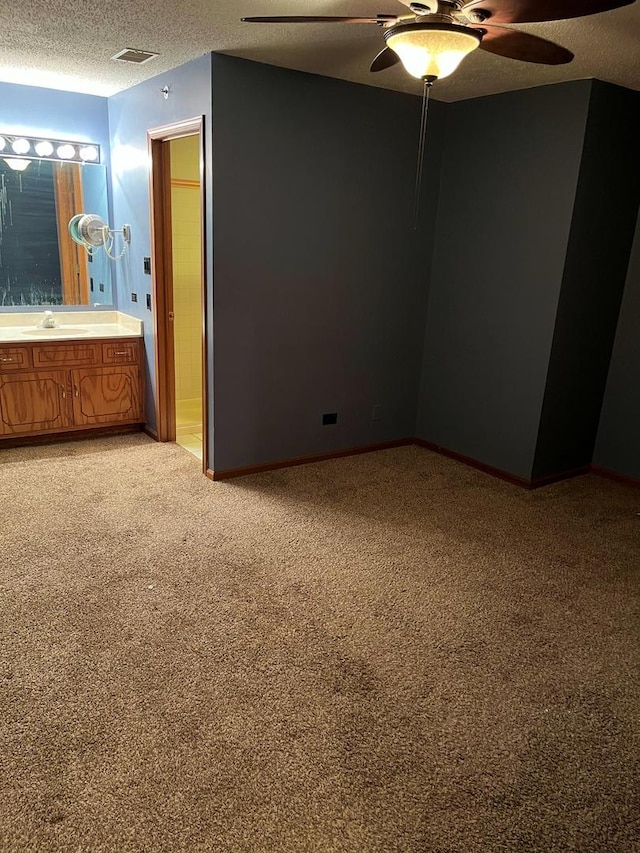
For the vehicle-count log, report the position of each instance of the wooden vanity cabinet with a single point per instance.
(62, 386)
(34, 402)
(106, 395)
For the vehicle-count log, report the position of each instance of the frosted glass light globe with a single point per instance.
(21, 146)
(432, 49)
(44, 148)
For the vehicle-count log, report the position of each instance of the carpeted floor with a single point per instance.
(388, 652)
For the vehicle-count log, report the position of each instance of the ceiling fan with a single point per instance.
(435, 36)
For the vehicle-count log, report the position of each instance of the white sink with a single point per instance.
(57, 331)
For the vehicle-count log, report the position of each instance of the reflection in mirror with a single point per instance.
(39, 262)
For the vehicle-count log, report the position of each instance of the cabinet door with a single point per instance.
(106, 395)
(34, 402)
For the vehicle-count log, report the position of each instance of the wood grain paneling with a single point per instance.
(120, 352)
(34, 401)
(106, 395)
(14, 358)
(70, 355)
(73, 258)
(74, 397)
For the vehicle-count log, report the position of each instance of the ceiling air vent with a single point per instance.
(130, 54)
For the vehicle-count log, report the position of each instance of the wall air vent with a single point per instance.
(130, 54)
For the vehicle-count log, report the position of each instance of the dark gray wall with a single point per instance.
(508, 184)
(618, 444)
(602, 231)
(320, 281)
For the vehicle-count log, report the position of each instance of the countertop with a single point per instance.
(70, 325)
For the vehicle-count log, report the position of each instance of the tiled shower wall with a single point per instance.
(185, 209)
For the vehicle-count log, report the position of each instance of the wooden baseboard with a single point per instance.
(549, 479)
(514, 479)
(229, 473)
(69, 435)
(614, 475)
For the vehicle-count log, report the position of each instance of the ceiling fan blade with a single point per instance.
(385, 59)
(319, 19)
(517, 45)
(528, 11)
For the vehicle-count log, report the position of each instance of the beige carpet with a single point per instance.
(389, 652)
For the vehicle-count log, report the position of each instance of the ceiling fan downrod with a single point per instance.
(428, 82)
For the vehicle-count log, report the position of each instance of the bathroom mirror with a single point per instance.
(39, 262)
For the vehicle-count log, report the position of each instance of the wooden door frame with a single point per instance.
(67, 184)
(162, 275)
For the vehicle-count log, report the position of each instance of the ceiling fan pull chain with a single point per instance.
(428, 83)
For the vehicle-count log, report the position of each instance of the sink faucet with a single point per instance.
(48, 321)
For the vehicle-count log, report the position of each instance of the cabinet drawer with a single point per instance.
(120, 352)
(14, 358)
(66, 355)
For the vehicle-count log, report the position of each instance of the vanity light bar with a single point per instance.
(41, 148)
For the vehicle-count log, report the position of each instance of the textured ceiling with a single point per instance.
(67, 44)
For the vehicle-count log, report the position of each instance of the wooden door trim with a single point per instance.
(162, 274)
(205, 302)
(67, 184)
(162, 287)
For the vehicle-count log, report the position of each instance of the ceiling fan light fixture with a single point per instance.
(432, 50)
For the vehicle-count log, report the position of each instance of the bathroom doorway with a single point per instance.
(186, 231)
(178, 263)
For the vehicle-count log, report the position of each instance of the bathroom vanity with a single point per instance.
(84, 372)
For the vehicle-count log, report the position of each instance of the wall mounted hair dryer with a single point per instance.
(92, 232)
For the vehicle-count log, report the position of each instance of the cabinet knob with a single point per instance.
(7, 358)
(76, 390)
(121, 352)
(63, 391)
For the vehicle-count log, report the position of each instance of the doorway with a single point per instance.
(186, 234)
(178, 262)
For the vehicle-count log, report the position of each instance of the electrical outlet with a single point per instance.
(134, 297)
(147, 266)
(101, 287)
(329, 418)
(376, 412)
(91, 285)
(149, 301)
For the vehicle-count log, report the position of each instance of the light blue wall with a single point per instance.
(131, 114)
(63, 115)
(35, 111)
